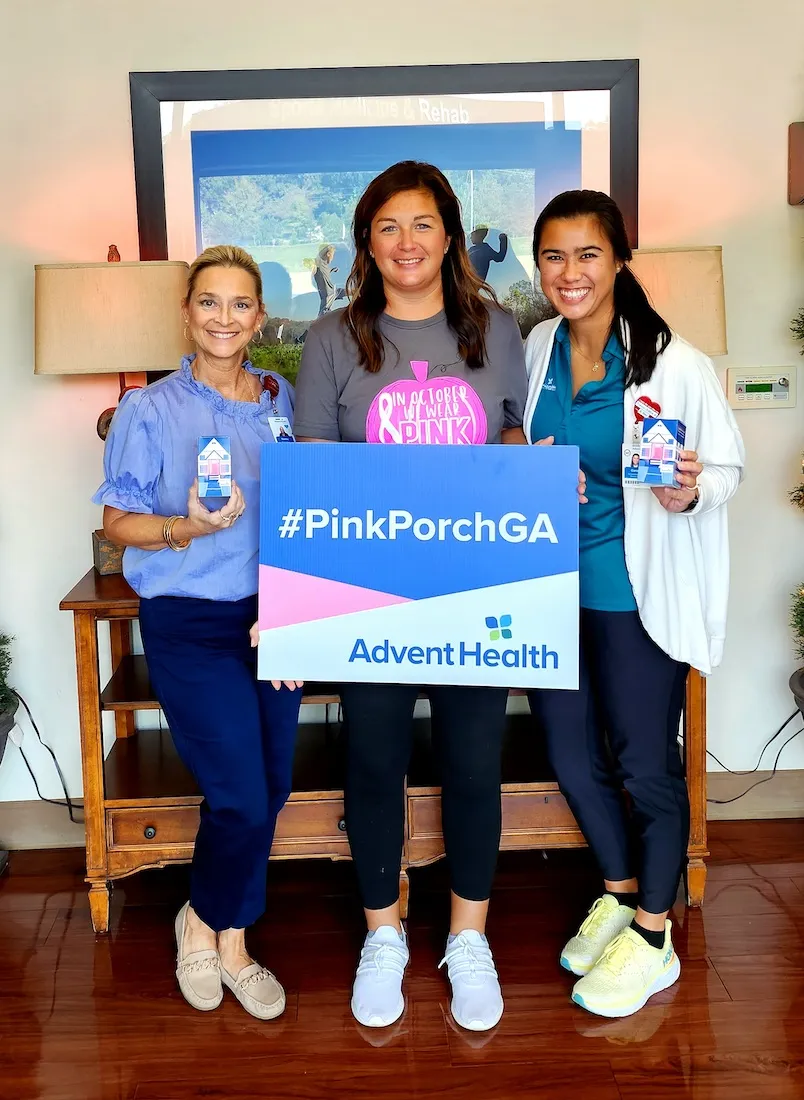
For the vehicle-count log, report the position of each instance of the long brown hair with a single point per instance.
(466, 310)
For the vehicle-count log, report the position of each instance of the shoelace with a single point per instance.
(598, 915)
(620, 955)
(199, 964)
(464, 958)
(382, 956)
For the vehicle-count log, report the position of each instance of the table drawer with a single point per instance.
(308, 820)
(526, 811)
(165, 827)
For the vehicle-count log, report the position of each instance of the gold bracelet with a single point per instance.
(167, 534)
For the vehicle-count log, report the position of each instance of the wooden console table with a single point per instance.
(141, 805)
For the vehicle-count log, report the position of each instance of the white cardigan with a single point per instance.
(678, 563)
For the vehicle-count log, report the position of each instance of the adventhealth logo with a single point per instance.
(460, 653)
(501, 629)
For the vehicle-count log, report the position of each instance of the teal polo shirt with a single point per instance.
(593, 422)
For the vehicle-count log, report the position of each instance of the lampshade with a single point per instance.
(685, 286)
(109, 317)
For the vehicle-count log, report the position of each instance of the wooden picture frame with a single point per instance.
(150, 90)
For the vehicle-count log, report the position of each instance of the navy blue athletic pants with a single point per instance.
(236, 736)
(618, 732)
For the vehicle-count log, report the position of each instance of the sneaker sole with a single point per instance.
(576, 968)
(477, 1025)
(664, 981)
(377, 1021)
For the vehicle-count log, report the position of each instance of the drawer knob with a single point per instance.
(342, 825)
(150, 832)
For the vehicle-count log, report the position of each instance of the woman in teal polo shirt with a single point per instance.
(653, 570)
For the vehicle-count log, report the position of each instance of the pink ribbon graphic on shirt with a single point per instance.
(422, 410)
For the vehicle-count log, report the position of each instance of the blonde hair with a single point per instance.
(224, 255)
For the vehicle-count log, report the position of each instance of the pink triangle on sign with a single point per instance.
(287, 598)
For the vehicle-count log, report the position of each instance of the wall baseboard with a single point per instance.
(34, 825)
(782, 796)
(28, 825)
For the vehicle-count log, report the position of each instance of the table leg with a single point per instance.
(695, 765)
(86, 658)
(120, 637)
(404, 892)
(696, 882)
(99, 905)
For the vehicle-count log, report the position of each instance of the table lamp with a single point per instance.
(685, 286)
(109, 318)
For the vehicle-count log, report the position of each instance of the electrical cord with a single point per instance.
(68, 802)
(767, 745)
(759, 782)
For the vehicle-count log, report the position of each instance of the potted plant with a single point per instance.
(8, 698)
(797, 623)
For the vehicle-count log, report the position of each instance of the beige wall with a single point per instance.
(720, 83)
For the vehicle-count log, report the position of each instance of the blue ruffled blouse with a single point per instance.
(150, 463)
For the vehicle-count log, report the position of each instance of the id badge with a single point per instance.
(280, 429)
(631, 465)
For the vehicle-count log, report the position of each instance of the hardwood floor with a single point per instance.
(86, 1018)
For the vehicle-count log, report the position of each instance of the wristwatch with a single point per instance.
(693, 504)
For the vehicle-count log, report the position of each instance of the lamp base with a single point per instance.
(104, 423)
(105, 418)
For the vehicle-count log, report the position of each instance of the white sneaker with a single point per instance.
(477, 1002)
(377, 999)
(606, 920)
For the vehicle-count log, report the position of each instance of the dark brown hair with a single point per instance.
(466, 310)
(649, 334)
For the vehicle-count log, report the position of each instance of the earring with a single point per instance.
(257, 337)
(186, 335)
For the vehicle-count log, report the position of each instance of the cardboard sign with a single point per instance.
(423, 564)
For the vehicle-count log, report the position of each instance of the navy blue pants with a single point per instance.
(620, 731)
(234, 733)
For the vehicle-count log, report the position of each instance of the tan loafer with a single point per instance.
(257, 990)
(198, 973)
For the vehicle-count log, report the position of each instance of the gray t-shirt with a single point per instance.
(424, 392)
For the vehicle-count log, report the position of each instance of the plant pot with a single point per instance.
(797, 687)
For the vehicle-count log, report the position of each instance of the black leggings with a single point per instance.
(467, 725)
(620, 731)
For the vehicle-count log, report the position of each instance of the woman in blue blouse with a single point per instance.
(195, 570)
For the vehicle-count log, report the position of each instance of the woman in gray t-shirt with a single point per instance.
(418, 315)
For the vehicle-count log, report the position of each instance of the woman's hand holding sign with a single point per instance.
(291, 685)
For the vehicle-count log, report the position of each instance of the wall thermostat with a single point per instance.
(761, 387)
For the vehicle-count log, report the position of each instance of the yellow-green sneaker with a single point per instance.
(628, 972)
(607, 918)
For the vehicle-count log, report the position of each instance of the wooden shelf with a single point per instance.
(130, 688)
(147, 766)
(113, 593)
